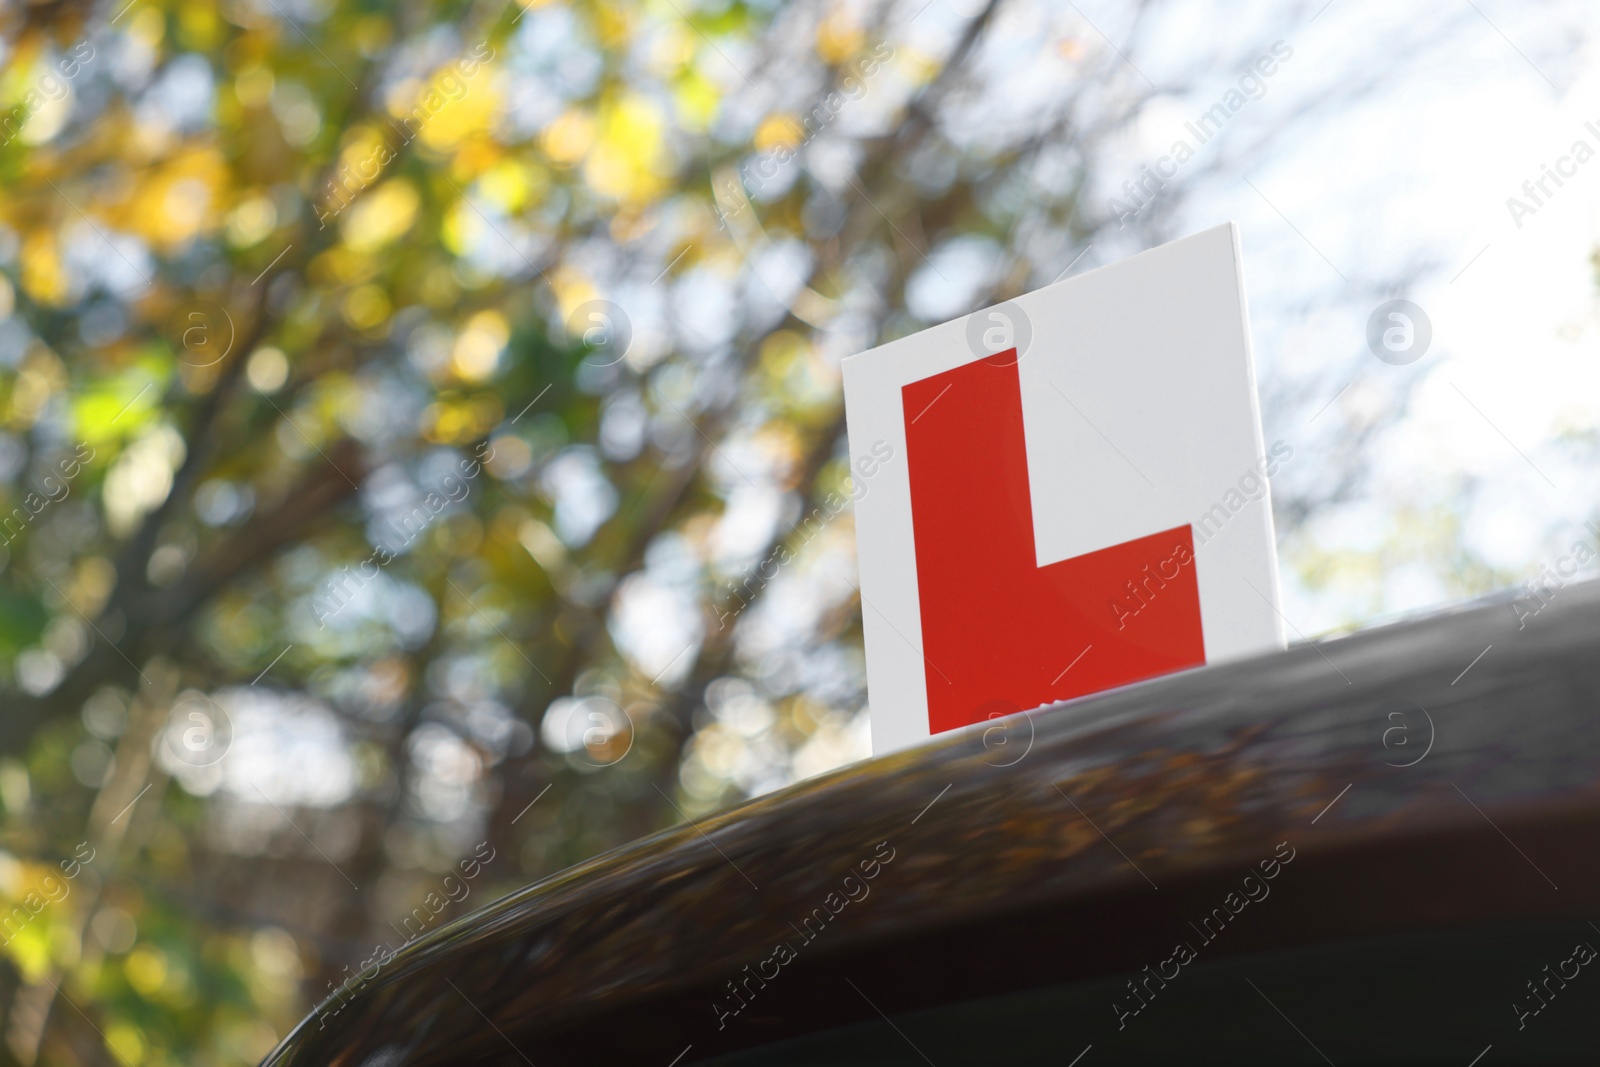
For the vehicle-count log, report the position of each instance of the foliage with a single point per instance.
(396, 404)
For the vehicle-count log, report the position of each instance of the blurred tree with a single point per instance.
(401, 409)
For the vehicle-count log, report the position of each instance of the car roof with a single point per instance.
(1451, 756)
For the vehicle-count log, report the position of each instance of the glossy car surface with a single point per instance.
(1376, 850)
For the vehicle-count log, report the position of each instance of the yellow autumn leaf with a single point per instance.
(612, 23)
(456, 420)
(571, 288)
(458, 105)
(476, 352)
(44, 275)
(839, 36)
(177, 201)
(567, 139)
(778, 130)
(381, 216)
(630, 161)
(512, 185)
(366, 307)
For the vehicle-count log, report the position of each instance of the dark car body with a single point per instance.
(1378, 849)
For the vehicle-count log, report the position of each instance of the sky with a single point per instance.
(1375, 165)
(1410, 182)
